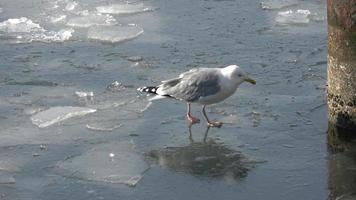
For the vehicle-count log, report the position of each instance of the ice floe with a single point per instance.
(103, 127)
(115, 86)
(20, 25)
(71, 5)
(114, 34)
(115, 163)
(25, 30)
(291, 17)
(57, 114)
(124, 9)
(57, 18)
(91, 20)
(81, 94)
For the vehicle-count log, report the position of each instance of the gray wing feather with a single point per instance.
(192, 85)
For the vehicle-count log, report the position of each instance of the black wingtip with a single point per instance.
(148, 89)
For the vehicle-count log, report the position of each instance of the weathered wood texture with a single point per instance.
(342, 64)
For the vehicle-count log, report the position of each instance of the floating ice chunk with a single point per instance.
(124, 9)
(71, 5)
(278, 4)
(24, 30)
(103, 127)
(53, 36)
(135, 58)
(114, 34)
(58, 18)
(32, 110)
(6, 178)
(21, 25)
(115, 163)
(91, 20)
(293, 17)
(115, 86)
(84, 94)
(317, 17)
(57, 114)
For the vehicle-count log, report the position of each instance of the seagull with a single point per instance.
(204, 86)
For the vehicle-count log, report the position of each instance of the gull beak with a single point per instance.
(250, 80)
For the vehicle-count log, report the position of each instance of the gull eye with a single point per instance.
(239, 75)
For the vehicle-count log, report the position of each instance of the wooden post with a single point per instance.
(341, 92)
(341, 96)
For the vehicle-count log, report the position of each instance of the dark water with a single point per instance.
(273, 144)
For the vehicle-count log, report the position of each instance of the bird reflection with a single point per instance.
(207, 158)
(191, 134)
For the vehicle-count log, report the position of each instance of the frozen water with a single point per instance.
(20, 25)
(71, 5)
(91, 20)
(165, 49)
(84, 94)
(25, 30)
(114, 34)
(115, 86)
(278, 4)
(58, 18)
(135, 58)
(293, 17)
(98, 164)
(124, 8)
(203, 159)
(103, 127)
(53, 36)
(57, 114)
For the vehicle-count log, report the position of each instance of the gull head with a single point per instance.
(237, 74)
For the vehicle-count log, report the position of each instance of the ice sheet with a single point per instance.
(116, 162)
(114, 34)
(91, 20)
(57, 114)
(124, 9)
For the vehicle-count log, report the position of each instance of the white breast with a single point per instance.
(227, 88)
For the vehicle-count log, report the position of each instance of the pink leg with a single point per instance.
(211, 123)
(190, 117)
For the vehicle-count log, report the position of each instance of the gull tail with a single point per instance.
(152, 90)
(148, 89)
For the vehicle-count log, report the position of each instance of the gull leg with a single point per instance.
(211, 123)
(190, 117)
